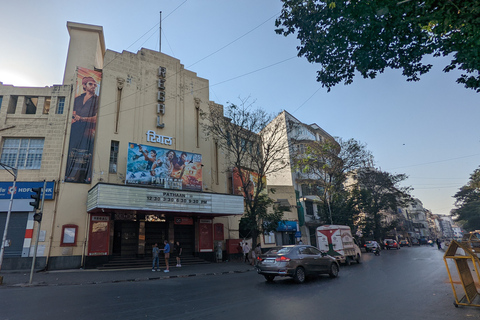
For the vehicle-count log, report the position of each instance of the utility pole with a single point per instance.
(13, 171)
(38, 231)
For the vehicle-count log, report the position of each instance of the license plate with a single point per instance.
(269, 261)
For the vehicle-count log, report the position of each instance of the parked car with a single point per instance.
(296, 261)
(391, 244)
(369, 245)
(405, 243)
(415, 242)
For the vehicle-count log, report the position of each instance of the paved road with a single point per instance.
(411, 283)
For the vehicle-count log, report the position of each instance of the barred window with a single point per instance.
(22, 153)
(60, 105)
(113, 156)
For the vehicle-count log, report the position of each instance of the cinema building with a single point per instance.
(121, 149)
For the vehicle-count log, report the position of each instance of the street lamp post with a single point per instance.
(13, 172)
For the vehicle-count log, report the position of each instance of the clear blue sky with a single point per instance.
(428, 130)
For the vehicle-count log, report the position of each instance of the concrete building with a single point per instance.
(106, 196)
(299, 135)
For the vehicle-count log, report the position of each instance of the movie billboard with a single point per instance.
(166, 168)
(84, 122)
(248, 175)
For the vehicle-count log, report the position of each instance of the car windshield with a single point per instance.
(279, 250)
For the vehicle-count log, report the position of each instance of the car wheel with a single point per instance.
(333, 270)
(299, 275)
(269, 277)
(357, 259)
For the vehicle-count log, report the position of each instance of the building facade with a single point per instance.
(120, 147)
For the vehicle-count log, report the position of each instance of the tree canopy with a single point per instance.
(250, 140)
(377, 192)
(325, 166)
(467, 201)
(369, 36)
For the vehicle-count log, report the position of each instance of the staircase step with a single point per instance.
(132, 263)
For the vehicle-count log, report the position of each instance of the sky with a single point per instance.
(427, 130)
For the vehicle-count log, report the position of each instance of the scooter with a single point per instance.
(376, 251)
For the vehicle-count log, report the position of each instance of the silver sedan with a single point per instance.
(297, 261)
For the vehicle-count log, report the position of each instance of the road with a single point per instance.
(411, 283)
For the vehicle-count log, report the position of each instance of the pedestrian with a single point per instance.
(439, 244)
(178, 253)
(166, 251)
(155, 252)
(258, 251)
(300, 242)
(246, 250)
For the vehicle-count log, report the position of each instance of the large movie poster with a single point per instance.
(166, 168)
(84, 121)
(248, 175)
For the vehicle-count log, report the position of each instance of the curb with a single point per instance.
(44, 284)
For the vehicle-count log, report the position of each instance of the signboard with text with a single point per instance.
(24, 189)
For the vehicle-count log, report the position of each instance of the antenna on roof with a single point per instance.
(160, 34)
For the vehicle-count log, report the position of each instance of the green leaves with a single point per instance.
(368, 36)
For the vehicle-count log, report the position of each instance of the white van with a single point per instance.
(337, 241)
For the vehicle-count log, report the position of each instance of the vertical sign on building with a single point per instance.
(84, 121)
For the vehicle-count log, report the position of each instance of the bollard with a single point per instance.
(1, 280)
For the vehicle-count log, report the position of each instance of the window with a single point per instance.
(12, 105)
(31, 105)
(113, 156)
(269, 237)
(1, 100)
(69, 235)
(22, 153)
(60, 105)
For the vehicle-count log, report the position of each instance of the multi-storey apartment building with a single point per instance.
(299, 135)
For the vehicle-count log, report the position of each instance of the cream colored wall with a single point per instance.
(52, 128)
(138, 112)
(86, 49)
(283, 176)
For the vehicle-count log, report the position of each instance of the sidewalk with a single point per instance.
(94, 276)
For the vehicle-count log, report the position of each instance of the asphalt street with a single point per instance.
(411, 283)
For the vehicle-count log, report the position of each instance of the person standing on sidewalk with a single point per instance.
(178, 253)
(246, 251)
(166, 251)
(155, 252)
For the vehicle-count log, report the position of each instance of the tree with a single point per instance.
(467, 201)
(377, 192)
(254, 144)
(368, 36)
(324, 166)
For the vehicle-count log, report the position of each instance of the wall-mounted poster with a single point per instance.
(84, 122)
(166, 168)
(248, 175)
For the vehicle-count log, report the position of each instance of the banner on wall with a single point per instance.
(251, 176)
(84, 121)
(166, 168)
